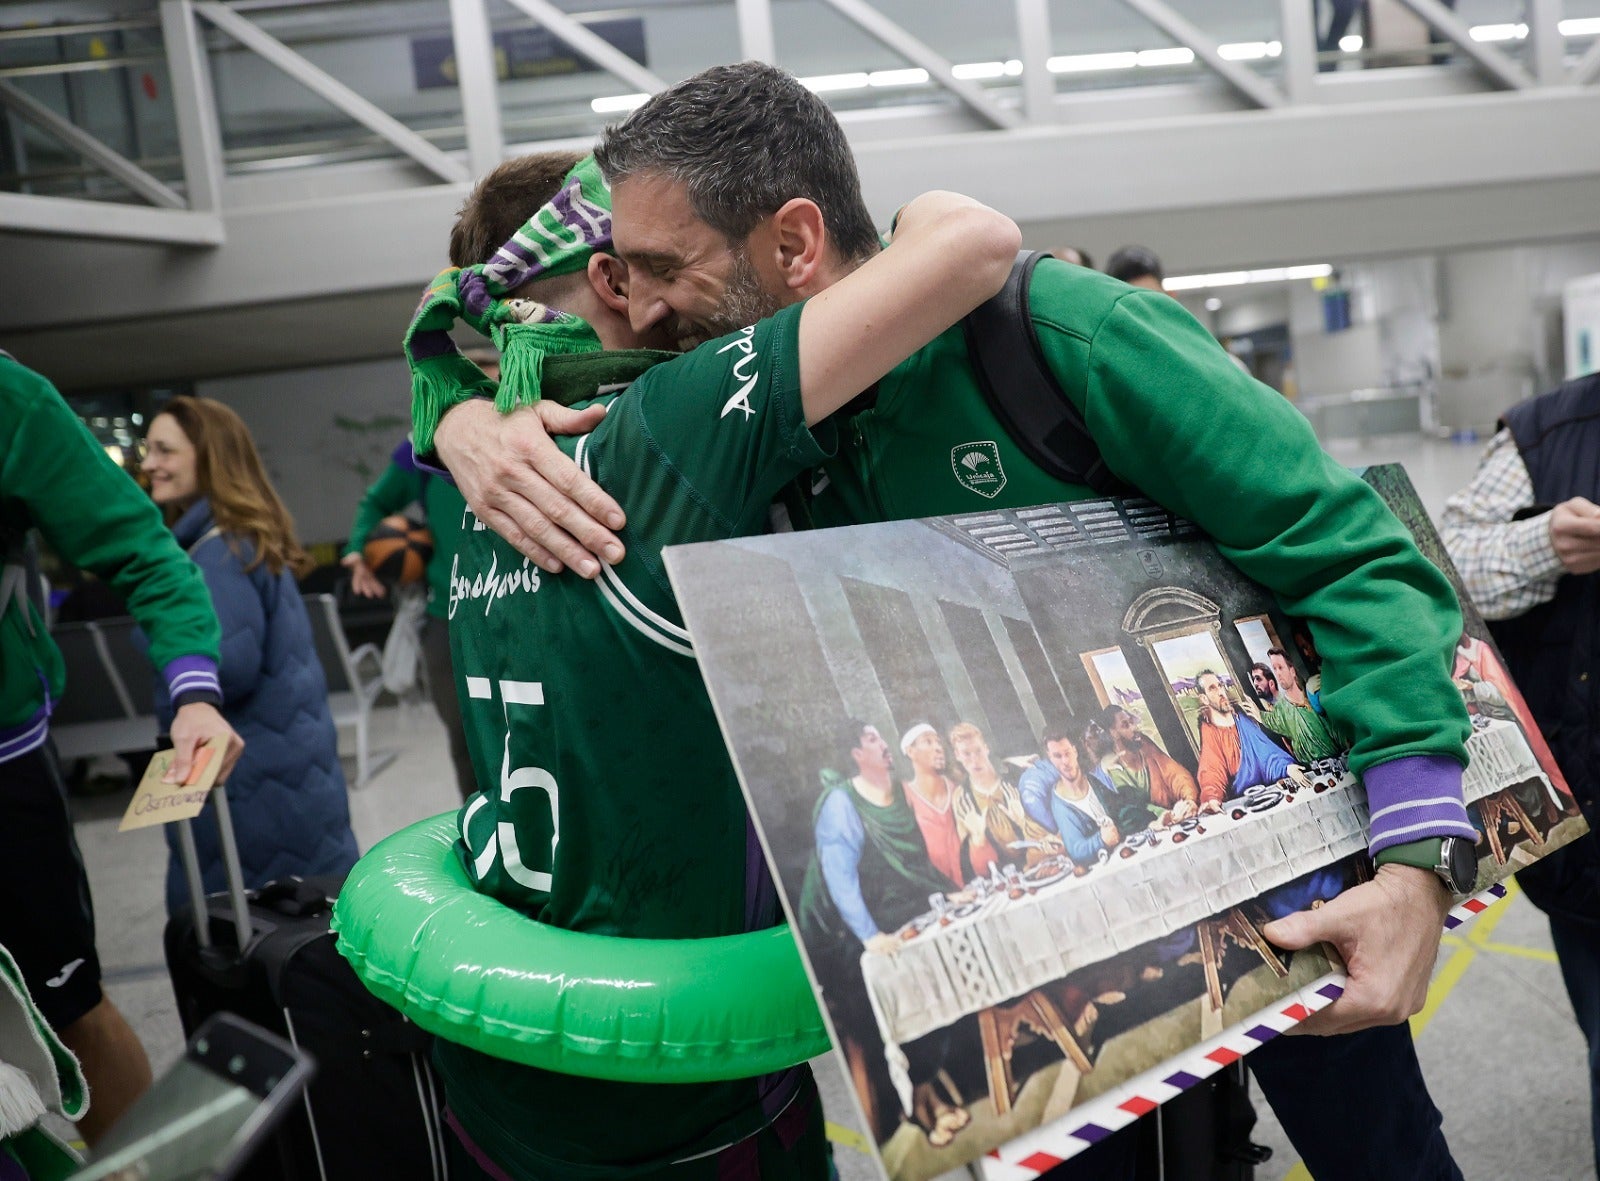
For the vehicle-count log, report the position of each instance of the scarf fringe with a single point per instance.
(437, 384)
(20, 1103)
(521, 368)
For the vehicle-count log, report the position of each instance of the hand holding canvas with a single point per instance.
(193, 726)
(518, 482)
(1387, 932)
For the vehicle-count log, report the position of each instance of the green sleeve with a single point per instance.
(97, 518)
(1174, 416)
(388, 494)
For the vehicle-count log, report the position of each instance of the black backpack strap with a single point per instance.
(1017, 383)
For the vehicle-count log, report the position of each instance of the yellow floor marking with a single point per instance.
(1542, 954)
(1298, 1173)
(848, 1137)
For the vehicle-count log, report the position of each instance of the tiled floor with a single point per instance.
(1503, 1057)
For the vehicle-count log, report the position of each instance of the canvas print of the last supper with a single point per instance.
(1033, 781)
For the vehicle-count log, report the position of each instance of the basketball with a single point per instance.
(398, 550)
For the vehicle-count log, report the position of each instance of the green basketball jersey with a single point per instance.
(610, 803)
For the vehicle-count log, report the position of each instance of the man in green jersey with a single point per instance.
(402, 483)
(566, 680)
(714, 182)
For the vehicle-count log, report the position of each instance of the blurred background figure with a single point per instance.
(1525, 535)
(1077, 257)
(1137, 266)
(401, 484)
(287, 792)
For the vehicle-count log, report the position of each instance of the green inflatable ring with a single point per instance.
(470, 969)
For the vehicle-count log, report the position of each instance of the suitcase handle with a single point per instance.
(235, 875)
(293, 897)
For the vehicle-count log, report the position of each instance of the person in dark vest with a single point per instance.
(1525, 534)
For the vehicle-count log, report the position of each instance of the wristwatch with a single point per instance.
(1455, 860)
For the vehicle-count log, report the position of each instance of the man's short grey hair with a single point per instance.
(744, 139)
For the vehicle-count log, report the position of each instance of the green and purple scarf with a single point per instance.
(557, 240)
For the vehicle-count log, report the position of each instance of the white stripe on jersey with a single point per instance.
(479, 688)
(522, 692)
(626, 604)
(484, 861)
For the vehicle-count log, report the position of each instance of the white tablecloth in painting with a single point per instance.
(1011, 946)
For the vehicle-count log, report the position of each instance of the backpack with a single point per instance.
(1019, 387)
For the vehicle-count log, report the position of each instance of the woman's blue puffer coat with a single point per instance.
(287, 793)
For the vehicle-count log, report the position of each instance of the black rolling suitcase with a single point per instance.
(375, 1107)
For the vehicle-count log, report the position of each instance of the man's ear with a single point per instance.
(797, 243)
(608, 275)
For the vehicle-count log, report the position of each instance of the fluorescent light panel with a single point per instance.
(1084, 63)
(617, 103)
(1240, 278)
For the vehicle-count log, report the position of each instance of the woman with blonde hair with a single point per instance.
(287, 792)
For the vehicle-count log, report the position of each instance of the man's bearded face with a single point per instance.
(1263, 683)
(1126, 730)
(685, 278)
(744, 301)
(1216, 695)
(873, 753)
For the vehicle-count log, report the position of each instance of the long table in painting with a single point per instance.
(1008, 947)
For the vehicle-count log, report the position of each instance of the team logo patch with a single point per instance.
(977, 467)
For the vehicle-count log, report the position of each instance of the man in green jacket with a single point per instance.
(403, 482)
(56, 478)
(726, 207)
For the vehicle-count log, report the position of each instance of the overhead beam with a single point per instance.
(25, 213)
(90, 148)
(757, 41)
(1494, 63)
(478, 78)
(1588, 68)
(193, 106)
(1297, 29)
(1545, 41)
(596, 48)
(323, 84)
(1257, 89)
(1038, 84)
(918, 53)
(1401, 158)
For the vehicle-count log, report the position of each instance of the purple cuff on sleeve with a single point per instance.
(428, 463)
(1415, 798)
(192, 674)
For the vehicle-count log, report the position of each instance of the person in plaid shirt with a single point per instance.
(1525, 535)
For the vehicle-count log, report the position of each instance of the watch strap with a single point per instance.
(1426, 854)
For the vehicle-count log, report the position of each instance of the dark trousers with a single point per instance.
(47, 918)
(1577, 945)
(1354, 1106)
(442, 686)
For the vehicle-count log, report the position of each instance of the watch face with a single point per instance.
(1463, 865)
